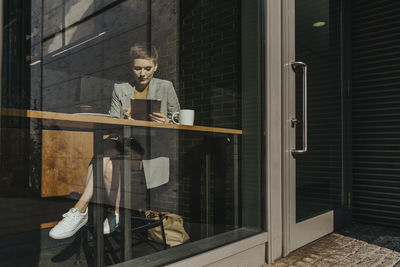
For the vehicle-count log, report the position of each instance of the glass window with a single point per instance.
(131, 130)
(319, 172)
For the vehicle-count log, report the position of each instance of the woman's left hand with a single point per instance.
(127, 114)
(159, 117)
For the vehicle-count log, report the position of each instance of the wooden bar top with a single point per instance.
(88, 121)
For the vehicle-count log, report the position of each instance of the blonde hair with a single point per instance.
(142, 51)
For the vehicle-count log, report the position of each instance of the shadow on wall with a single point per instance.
(82, 63)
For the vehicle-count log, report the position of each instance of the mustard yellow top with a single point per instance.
(141, 95)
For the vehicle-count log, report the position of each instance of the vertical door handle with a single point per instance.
(294, 121)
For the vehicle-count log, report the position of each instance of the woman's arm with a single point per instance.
(172, 102)
(115, 107)
(172, 105)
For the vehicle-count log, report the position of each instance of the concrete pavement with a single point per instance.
(336, 250)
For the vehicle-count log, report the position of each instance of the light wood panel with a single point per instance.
(48, 224)
(88, 121)
(65, 158)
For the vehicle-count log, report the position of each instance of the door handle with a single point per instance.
(294, 121)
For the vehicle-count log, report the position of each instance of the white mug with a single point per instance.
(186, 117)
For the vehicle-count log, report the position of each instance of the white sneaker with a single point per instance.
(72, 222)
(111, 222)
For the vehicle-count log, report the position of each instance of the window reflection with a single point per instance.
(66, 57)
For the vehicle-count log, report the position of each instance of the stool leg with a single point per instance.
(162, 230)
(79, 246)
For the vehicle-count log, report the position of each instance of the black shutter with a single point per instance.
(376, 111)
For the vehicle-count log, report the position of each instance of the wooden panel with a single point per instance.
(65, 158)
(87, 121)
(48, 225)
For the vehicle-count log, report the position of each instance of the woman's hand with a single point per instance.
(159, 117)
(127, 114)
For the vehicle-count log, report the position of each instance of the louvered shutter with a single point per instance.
(376, 111)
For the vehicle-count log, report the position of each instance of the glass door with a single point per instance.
(313, 114)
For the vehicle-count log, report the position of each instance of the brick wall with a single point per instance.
(209, 83)
(210, 61)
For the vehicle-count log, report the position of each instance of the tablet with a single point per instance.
(141, 108)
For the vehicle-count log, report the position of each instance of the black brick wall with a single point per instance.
(209, 83)
(210, 60)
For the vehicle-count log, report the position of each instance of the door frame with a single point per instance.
(343, 216)
(278, 17)
(273, 130)
(295, 235)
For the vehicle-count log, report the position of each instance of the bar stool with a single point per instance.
(140, 223)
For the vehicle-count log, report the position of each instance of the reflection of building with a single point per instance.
(246, 197)
(87, 43)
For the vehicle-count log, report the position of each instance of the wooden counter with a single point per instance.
(66, 154)
(88, 121)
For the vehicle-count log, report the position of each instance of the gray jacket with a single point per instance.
(156, 170)
(158, 89)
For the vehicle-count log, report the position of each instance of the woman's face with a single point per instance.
(143, 71)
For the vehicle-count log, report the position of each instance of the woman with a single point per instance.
(145, 64)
